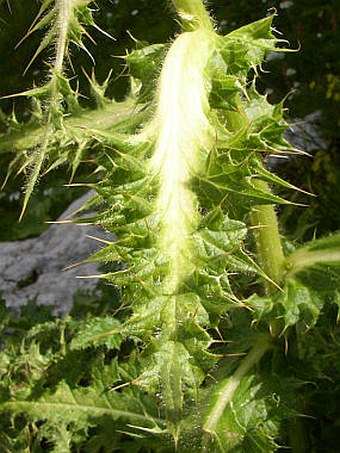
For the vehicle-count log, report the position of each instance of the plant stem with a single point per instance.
(65, 13)
(268, 242)
(193, 15)
(226, 393)
(304, 258)
(64, 17)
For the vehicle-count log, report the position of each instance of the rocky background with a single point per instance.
(36, 269)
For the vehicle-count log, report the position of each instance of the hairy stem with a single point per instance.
(65, 12)
(268, 242)
(193, 14)
(184, 140)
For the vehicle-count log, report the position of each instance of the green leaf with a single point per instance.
(143, 64)
(97, 331)
(247, 46)
(300, 303)
(294, 303)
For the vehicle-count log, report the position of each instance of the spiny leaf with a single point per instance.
(79, 407)
(65, 19)
(66, 410)
(143, 64)
(295, 303)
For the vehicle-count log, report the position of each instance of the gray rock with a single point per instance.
(33, 268)
(305, 133)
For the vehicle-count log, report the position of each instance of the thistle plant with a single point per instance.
(208, 293)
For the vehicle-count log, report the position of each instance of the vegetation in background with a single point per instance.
(220, 334)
